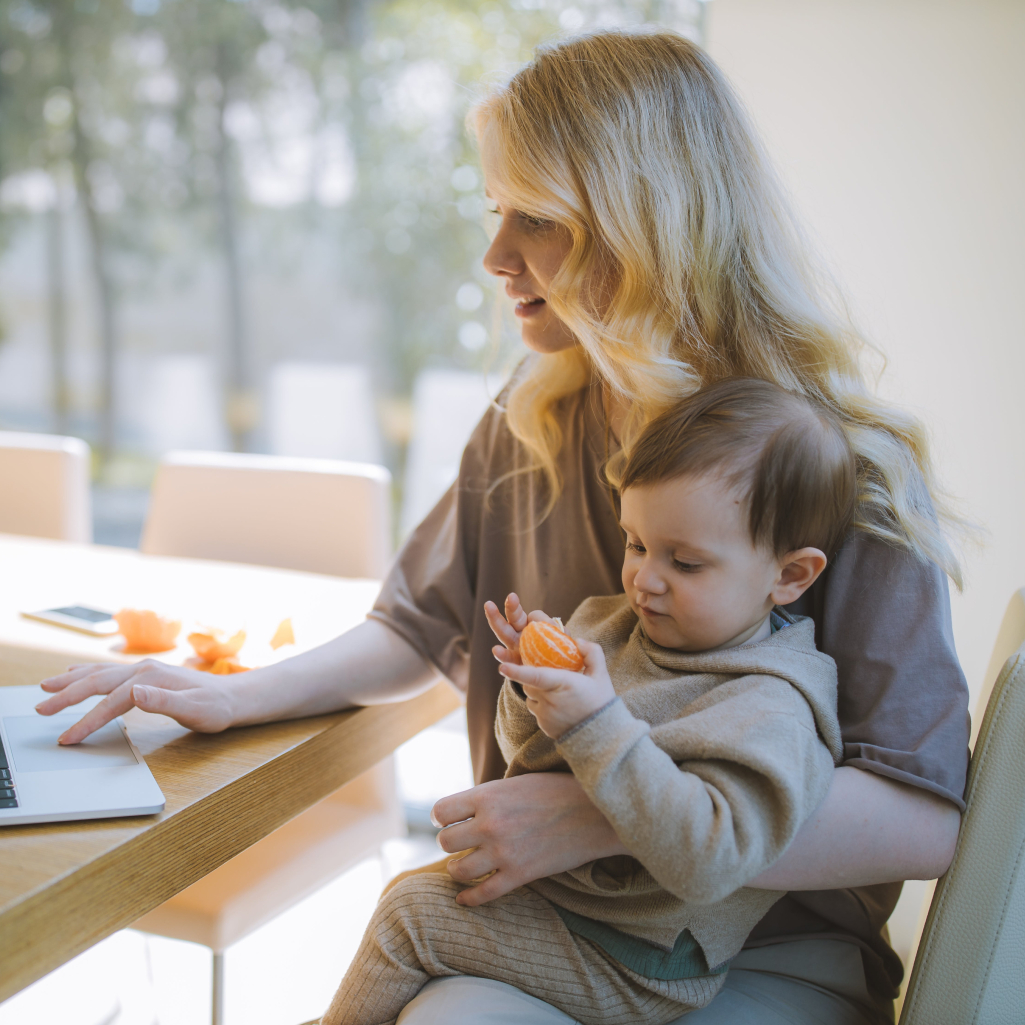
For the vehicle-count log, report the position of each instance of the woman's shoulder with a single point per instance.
(579, 416)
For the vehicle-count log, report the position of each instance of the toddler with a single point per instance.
(703, 726)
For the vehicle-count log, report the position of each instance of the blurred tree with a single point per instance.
(60, 115)
(254, 129)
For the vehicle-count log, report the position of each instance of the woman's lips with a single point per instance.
(529, 307)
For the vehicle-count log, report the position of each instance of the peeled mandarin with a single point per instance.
(544, 644)
(210, 645)
(283, 635)
(145, 632)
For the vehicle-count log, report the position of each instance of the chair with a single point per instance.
(305, 514)
(318, 515)
(44, 486)
(969, 964)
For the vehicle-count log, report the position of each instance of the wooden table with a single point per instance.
(65, 886)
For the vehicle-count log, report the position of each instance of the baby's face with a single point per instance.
(691, 572)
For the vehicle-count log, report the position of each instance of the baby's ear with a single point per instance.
(798, 570)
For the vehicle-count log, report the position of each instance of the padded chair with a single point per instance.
(318, 515)
(44, 486)
(969, 967)
(305, 514)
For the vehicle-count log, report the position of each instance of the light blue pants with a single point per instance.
(805, 982)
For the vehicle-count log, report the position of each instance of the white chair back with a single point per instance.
(44, 486)
(317, 515)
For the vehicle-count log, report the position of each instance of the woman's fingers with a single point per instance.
(114, 704)
(82, 683)
(197, 700)
(75, 673)
(497, 885)
(471, 866)
(455, 808)
(461, 836)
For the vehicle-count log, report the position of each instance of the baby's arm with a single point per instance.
(721, 795)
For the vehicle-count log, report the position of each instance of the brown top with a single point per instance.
(706, 764)
(880, 613)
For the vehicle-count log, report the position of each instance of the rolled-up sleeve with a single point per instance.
(429, 594)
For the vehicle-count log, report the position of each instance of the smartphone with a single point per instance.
(78, 617)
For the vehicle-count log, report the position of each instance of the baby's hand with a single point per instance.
(509, 627)
(559, 699)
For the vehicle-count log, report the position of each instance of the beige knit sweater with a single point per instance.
(705, 765)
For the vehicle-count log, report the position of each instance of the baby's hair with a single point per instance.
(788, 457)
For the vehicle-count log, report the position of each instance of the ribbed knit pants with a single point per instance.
(419, 932)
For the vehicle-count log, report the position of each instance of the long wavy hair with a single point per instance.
(637, 145)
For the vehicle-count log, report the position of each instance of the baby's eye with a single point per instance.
(633, 547)
(687, 567)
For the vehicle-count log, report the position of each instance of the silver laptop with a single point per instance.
(40, 781)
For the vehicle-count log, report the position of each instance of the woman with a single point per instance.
(648, 249)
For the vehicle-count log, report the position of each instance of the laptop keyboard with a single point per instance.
(8, 799)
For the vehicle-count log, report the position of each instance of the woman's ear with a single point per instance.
(797, 572)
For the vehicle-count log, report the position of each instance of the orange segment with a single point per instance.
(211, 645)
(145, 632)
(544, 644)
(283, 635)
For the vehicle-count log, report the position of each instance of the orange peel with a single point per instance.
(545, 644)
(211, 645)
(283, 635)
(145, 632)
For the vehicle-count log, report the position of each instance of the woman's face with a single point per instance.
(527, 253)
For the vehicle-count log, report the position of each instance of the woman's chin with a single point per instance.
(547, 338)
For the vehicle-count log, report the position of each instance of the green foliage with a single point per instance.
(361, 103)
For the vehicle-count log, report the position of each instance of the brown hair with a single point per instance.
(789, 456)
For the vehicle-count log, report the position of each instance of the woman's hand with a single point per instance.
(560, 699)
(369, 665)
(199, 701)
(523, 828)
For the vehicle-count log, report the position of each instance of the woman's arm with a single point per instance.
(370, 664)
(867, 830)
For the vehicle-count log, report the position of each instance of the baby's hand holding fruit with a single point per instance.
(559, 698)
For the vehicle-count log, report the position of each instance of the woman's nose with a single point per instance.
(503, 258)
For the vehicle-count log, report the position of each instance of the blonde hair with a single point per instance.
(636, 144)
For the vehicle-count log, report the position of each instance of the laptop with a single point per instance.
(40, 781)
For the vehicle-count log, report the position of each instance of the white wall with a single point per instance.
(899, 127)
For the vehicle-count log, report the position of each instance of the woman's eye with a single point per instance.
(535, 222)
